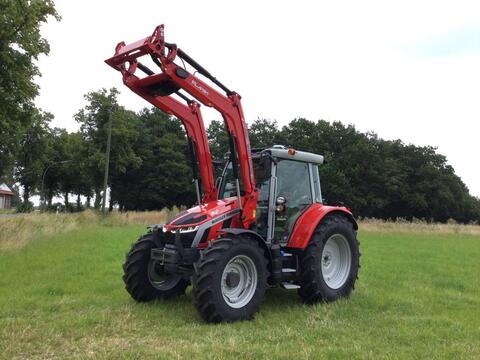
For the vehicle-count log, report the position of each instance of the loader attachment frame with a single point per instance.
(158, 89)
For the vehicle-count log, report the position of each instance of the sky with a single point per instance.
(406, 70)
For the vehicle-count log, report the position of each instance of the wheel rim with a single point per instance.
(336, 261)
(239, 281)
(159, 279)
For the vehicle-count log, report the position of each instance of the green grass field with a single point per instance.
(418, 297)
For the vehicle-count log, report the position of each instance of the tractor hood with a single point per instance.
(213, 211)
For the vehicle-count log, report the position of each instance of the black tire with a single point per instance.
(207, 279)
(313, 287)
(136, 273)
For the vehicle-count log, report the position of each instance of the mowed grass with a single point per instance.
(417, 297)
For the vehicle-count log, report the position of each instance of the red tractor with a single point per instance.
(261, 224)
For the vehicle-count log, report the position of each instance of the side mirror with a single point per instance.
(281, 201)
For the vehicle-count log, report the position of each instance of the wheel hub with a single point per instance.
(336, 261)
(327, 259)
(239, 281)
(159, 279)
(233, 279)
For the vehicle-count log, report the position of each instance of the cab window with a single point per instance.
(227, 187)
(293, 183)
(316, 184)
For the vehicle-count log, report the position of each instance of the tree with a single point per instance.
(164, 177)
(93, 120)
(80, 183)
(264, 133)
(56, 154)
(33, 152)
(68, 172)
(217, 139)
(374, 177)
(20, 45)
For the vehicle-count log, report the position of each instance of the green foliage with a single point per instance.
(33, 153)
(148, 164)
(374, 177)
(24, 207)
(264, 133)
(164, 177)
(93, 120)
(149, 168)
(383, 179)
(217, 139)
(67, 170)
(20, 45)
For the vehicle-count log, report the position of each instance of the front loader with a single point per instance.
(261, 224)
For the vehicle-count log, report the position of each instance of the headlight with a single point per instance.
(188, 229)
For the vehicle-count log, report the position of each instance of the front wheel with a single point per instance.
(145, 279)
(329, 266)
(230, 279)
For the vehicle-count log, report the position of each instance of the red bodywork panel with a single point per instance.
(125, 60)
(308, 221)
(204, 212)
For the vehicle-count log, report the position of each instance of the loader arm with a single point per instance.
(158, 87)
(189, 115)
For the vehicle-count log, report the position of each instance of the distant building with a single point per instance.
(5, 197)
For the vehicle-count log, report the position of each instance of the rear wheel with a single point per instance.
(145, 279)
(230, 279)
(329, 266)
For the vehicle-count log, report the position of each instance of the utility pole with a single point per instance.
(107, 160)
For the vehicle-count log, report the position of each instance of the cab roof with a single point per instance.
(282, 152)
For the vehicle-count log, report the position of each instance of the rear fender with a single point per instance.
(309, 220)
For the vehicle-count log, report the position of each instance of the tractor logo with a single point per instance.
(199, 87)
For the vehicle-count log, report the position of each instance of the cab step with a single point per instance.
(290, 286)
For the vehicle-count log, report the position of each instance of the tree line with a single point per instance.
(148, 167)
(379, 178)
(148, 164)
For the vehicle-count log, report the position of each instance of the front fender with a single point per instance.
(309, 220)
(250, 234)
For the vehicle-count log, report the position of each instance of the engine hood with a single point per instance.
(198, 215)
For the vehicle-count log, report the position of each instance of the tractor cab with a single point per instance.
(288, 182)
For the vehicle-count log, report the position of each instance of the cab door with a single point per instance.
(294, 184)
(262, 169)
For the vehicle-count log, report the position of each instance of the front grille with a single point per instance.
(185, 238)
